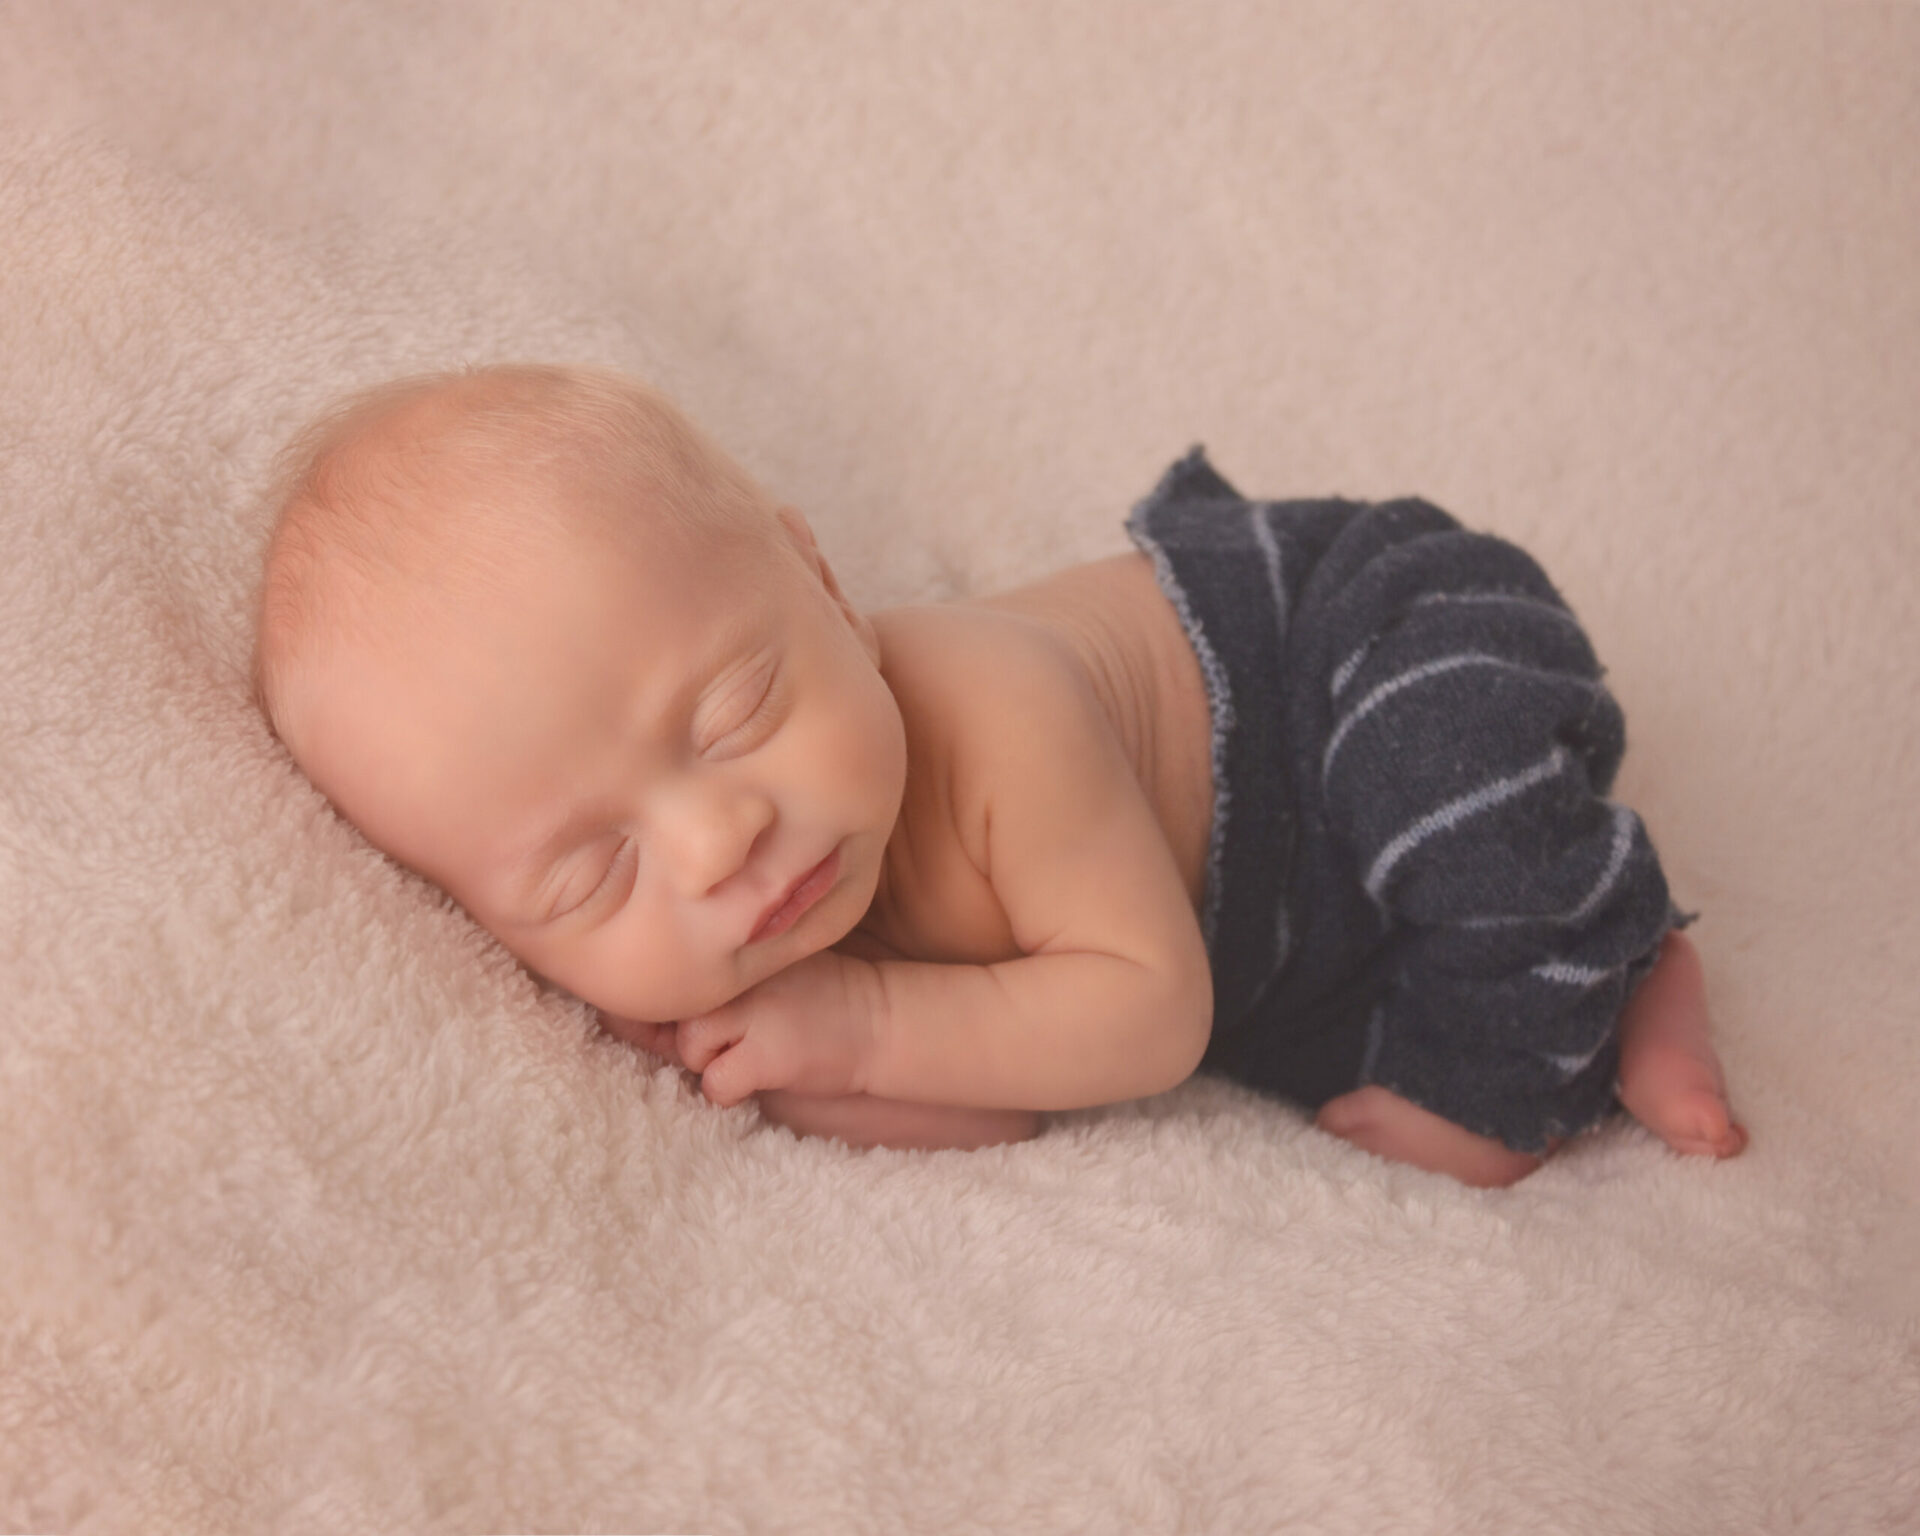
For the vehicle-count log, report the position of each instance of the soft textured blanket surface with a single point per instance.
(316, 1214)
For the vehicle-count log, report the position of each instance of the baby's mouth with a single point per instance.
(805, 892)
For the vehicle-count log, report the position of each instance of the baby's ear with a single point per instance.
(809, 551)
(800, 536)
(800, 533)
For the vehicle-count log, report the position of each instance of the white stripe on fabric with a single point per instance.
(1624, 822)
(1573, 1066)
(1270, 550)
(1384, 691)
(1454, 812)
(1376, 1037)
(1510, 599)
(1568, 974)
(1343, 674)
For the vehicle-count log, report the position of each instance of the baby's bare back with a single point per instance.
(1109, 629)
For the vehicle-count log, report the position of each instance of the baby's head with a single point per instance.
(541, 641)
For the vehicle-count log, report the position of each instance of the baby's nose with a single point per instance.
(713, 835)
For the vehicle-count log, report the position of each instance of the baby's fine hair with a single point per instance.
(448, 477)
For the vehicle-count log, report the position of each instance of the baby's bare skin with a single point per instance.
(910, 879)
(1127, 643)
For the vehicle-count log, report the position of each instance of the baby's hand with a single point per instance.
(811, 1028)
(656, 1039)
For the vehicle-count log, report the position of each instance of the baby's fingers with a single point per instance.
(655, 1039)
(732, 1077)
(702, 1039)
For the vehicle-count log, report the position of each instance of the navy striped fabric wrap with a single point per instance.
(1415, 877)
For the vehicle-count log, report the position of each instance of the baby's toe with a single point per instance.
(1701, 1124)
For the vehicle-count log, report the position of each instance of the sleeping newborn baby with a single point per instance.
(1309, 794)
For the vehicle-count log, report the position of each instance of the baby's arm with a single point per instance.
(859, 1119)
(1111, 997)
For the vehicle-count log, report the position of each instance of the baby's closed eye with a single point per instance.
(750, 708)
(595, 879)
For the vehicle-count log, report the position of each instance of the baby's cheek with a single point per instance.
(658, 981)
(551, 968)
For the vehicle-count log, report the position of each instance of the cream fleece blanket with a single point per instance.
(316, 1215)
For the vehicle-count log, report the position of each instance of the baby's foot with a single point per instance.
(1670, 1079)
(1379, 1121)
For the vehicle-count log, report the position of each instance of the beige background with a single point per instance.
(317, 1215)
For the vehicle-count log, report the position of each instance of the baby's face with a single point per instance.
(624, 766)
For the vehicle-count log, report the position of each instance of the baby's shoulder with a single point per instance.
(967, 664)
(971, 686)
(984, 691)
